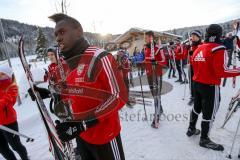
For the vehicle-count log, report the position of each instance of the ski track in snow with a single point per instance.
(140, 141)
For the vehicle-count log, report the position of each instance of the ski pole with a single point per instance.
(4, 128)
(185, 80)
(236, 26)
(144, 107)
(230, 154)
(239, 153)
(232, 108)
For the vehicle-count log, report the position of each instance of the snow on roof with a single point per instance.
(136, 30)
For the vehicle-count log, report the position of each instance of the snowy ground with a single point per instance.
(140, 141)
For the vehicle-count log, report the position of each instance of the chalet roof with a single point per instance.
(136, 31)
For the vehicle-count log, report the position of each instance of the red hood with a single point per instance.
(5, 83)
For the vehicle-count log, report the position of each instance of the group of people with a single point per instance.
(208, 60)
(94, 68)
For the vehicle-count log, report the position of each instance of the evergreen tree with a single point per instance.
(41, 44)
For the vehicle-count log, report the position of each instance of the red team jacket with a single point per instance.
(210, 64)
(8, 97)
(190, 48)
(179, 52)
(53, 72)
(125, 65)
(107, 78)
(159, 58)
(170, 53)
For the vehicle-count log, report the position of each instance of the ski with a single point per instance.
(232, 108)
(140, 101)
(4, 128)
(146, 94)
(236, 26)
(224, 82)
(59, 150)
(143, 100)
(155, 86)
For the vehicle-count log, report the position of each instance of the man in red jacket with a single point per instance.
(53, 75)
(96, 92)
(154, 62)
(171, 60)
(179, 57)
(209, 67)
(196, 40)
(124, 65)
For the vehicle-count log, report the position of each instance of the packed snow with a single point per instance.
(140, 141)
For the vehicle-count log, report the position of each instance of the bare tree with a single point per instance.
(62, 6)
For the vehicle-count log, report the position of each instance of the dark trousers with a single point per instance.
(140, 68)
(171, 68)
(110, 151)
(179, 69)
(155, 85)
(182, 64)
(230, 53)
(207, 101)
(191, 85)
(7, 139)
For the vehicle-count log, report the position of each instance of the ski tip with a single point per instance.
(29, 140)
(229, 156)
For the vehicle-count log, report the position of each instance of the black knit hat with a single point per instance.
(51, 50)
(197, 33)
(150, 33)
(213, 33)
(171, 43)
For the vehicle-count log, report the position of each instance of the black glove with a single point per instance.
(69, 130)
(44, 93)
(190, 53)
(61, 110)
(154, 62)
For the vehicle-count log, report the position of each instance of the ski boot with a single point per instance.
(191, 101)
(207, 143)
(179, 80)
(155, 123)
(192, 132)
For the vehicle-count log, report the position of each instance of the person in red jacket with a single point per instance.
(179, 57)
(195, 41)
(171, 60)
(8, 116)
(96, 92)
(154, 62)
(124, 65)
(52, 74)
(51, 53)
(209, 66)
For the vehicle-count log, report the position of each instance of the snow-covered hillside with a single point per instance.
(141, 142)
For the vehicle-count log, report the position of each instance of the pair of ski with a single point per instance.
(59, 149)
(232, 108)
(137, 100)
(157, 98)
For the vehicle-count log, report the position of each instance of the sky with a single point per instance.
(117, 16)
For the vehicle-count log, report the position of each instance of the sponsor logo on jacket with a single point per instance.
(199, 57)
(80, 68)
